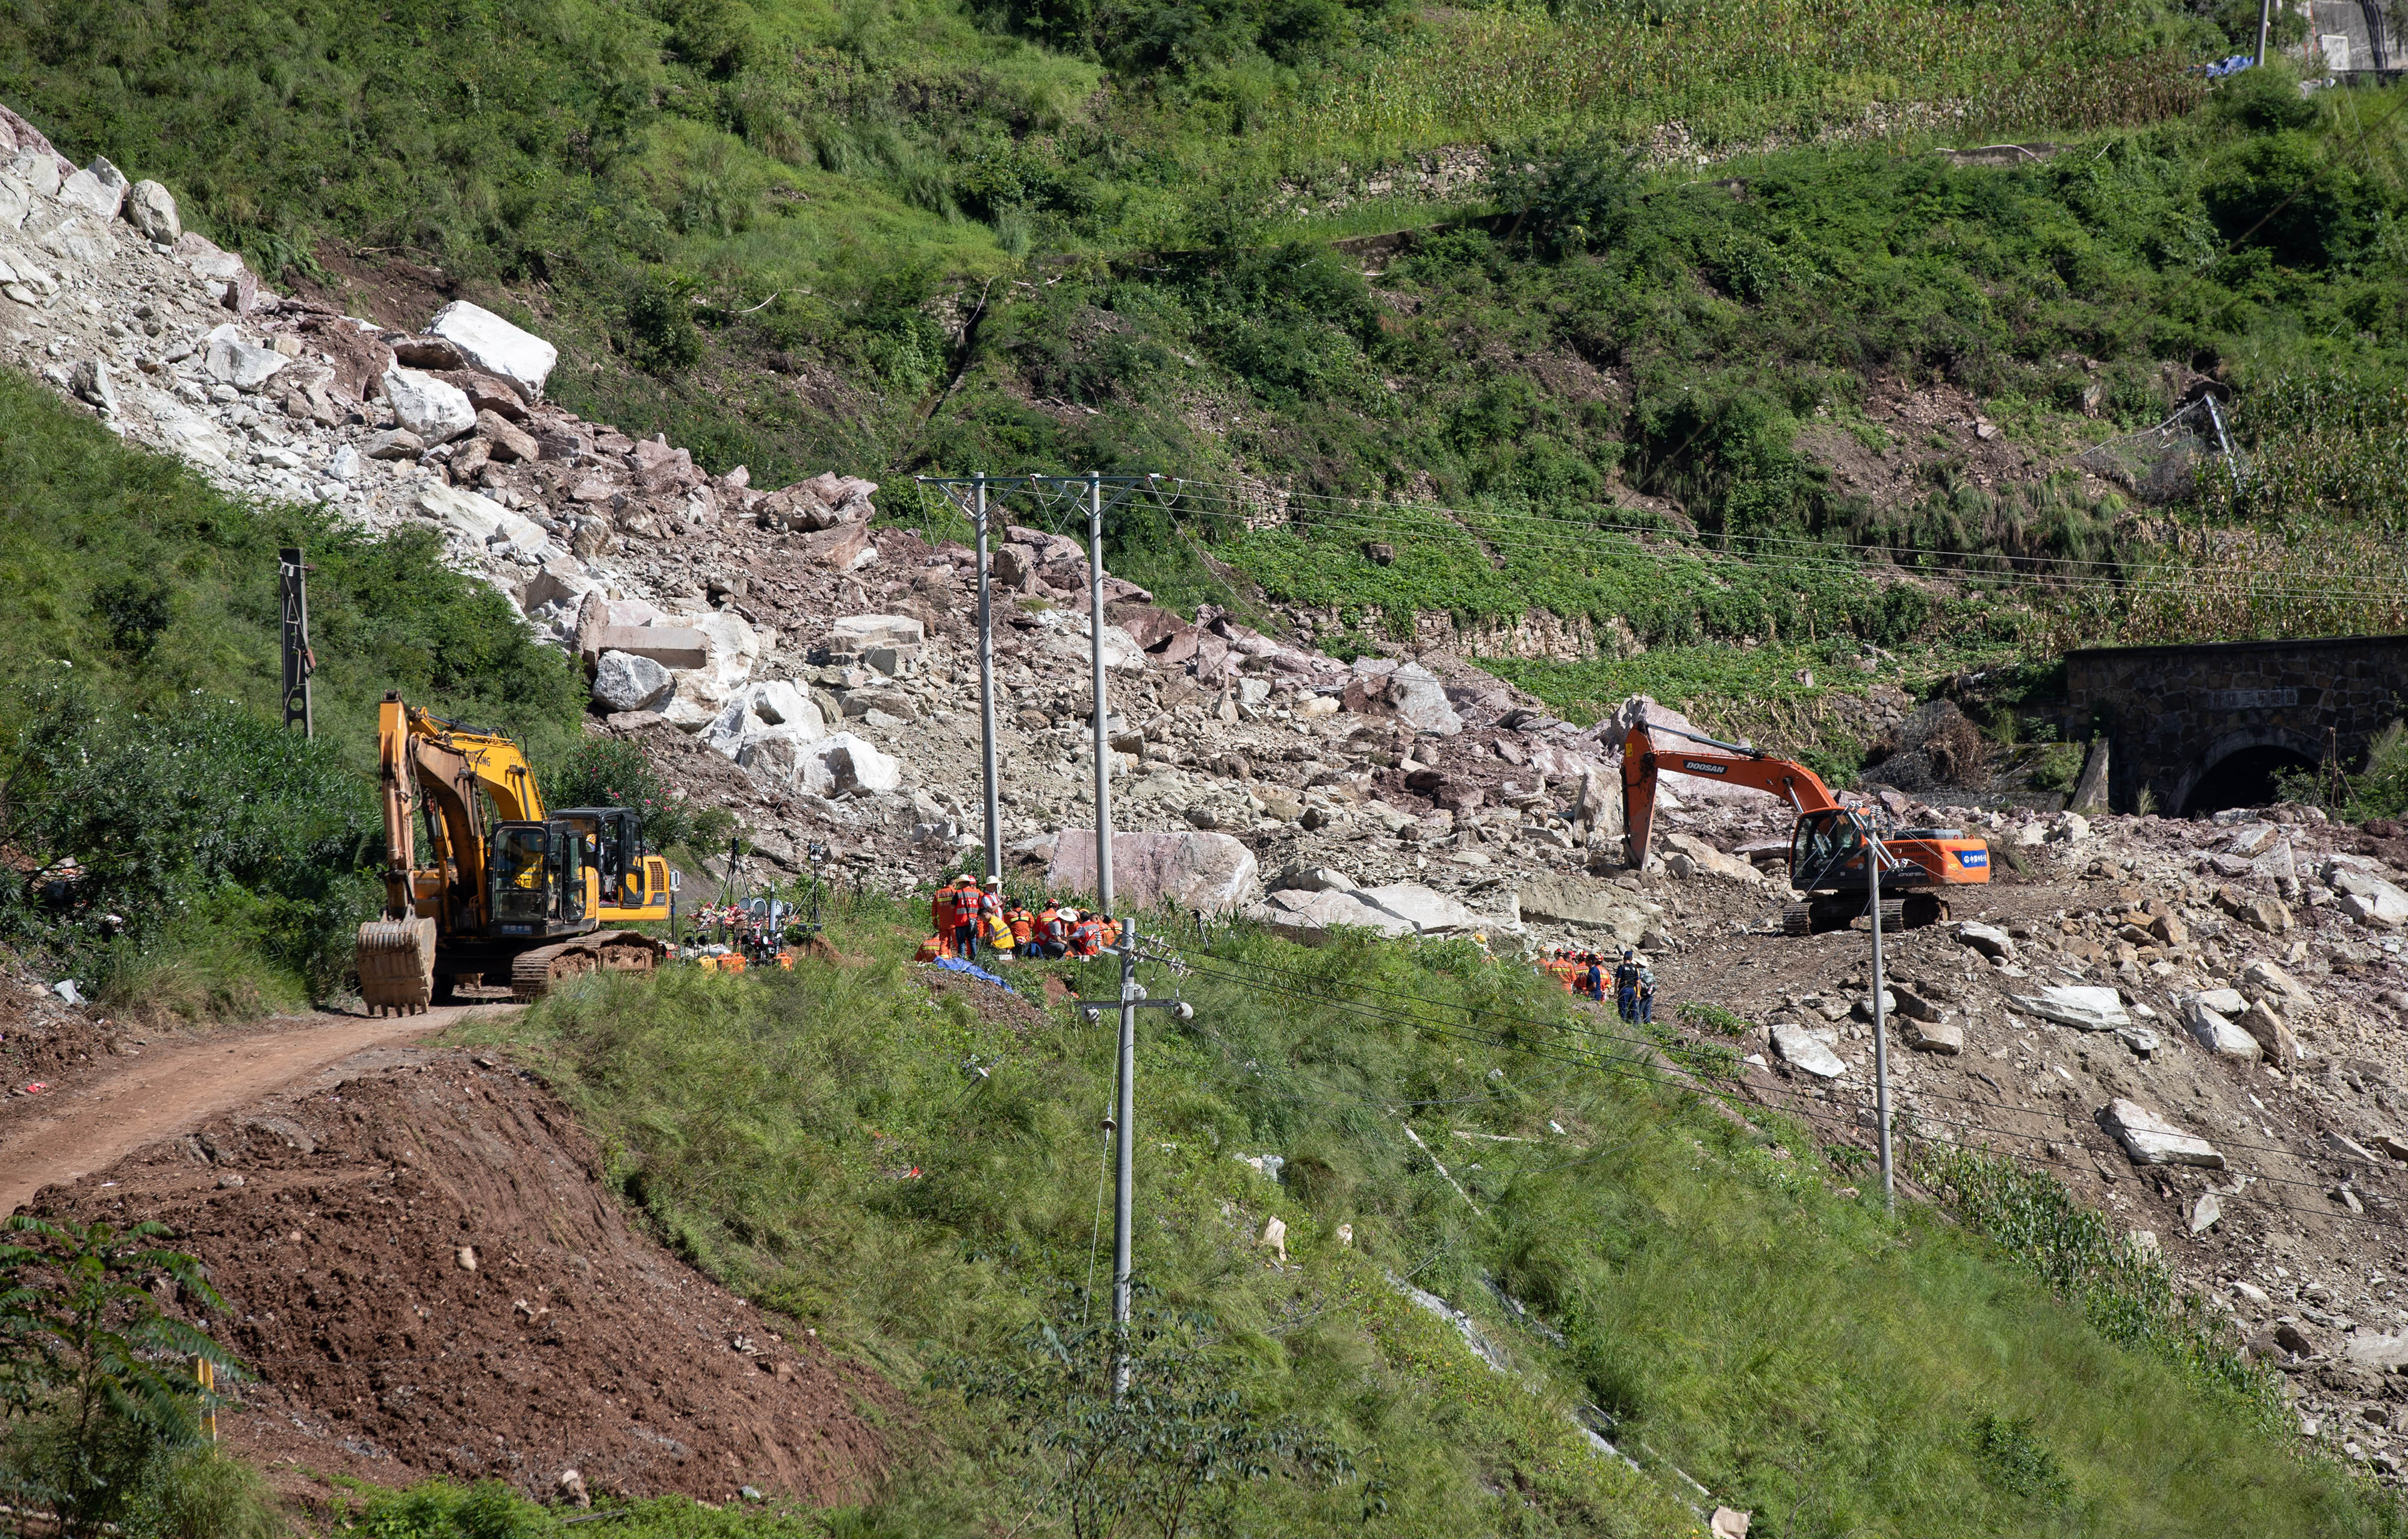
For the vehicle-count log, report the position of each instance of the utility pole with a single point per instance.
(1874, 854)
(2265, 26)
(292, 585)
(1103, 732)
(986, 685)
(1123, 1156)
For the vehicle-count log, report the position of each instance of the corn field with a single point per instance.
(1798, 67)
(2322, 447)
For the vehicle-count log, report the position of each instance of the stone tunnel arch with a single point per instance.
(2238, 769)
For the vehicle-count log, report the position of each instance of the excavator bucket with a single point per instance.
(396, 960)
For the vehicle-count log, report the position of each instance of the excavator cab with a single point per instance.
(633, 885)
(1825, 849)
(537, 871)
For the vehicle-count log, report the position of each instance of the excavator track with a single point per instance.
(534, 973)
(1815, 916)
(396, 962)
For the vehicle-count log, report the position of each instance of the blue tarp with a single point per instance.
(2233, 66)
(954, 964)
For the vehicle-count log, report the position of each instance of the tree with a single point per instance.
(92, 1375)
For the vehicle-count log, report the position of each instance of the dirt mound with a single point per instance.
(429, 1279)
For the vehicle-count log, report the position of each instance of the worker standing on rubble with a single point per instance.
(1625, 987)
(1646, 993)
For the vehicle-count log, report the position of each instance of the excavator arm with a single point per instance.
(1644, 757)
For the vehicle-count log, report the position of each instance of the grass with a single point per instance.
(820, 1142)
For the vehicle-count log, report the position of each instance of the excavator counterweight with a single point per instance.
(506, 892)
(1829, 846)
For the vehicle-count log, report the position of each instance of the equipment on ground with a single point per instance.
(510, 896)
(1827, 851)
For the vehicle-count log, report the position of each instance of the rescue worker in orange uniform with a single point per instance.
(1024, 933)
(1087, 935)
(1053, 932)
(944, 912)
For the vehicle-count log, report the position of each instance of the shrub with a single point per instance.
(612, 772)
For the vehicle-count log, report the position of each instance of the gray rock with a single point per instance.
(1311, 916)
(2368, 899)
(152, 209)
(2204, 1213)
(2085, 1008)
(1990, 941)
(493, 345)
(774, 710)
(230, 360)
(1419, 699)
(2383, 1353)
(1213, 872)
(1806, 1052)
(2216, 1033)
(90, 379)
(845, 764)
(99, 187)
(2252, 840)
(1944, 1037)
(2151, 1140)
(1311, 879)
(860, 632)
(624, 682)
(436, 411)
(393, 443)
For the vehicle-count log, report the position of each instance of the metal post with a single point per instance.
(1124, 1163)
(1103, 733)
(293, 583)
(2265, 26)
(986, 689)
(1881, 1023)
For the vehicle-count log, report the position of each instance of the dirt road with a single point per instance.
(174, 1087)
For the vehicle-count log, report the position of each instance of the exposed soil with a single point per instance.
(118, 1093)
(423, 1266)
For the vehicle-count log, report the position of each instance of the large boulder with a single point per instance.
(424, 405)
(624, 682)
(2151, 1140)
(152, 209)
(1807, 1050)
(489, 343)
(1417, 697)
(2215, 1032)
(1309, 916)
(845, 764)
(774, 712)
(1576, 900)
(2368, 899)
(734, 648)
(860, 632)
(1212, 872)
(245, 365)
(98, 188)
(1711, 861)
(2083, 1007)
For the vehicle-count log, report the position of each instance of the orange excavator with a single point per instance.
(1826, 850)
(510, 894)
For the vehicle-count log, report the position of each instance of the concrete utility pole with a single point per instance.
(1103, 732)
(292, 587)
(1873, 856)
(2265, 26)
(986, 685)
(1123, 1156)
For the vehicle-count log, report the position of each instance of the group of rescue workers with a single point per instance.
(975, 922)
(1586, 973)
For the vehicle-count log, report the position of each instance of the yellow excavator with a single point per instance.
(510, 894)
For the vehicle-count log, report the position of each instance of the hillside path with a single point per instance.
(174, 1087)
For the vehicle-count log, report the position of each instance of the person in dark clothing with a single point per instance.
(1626, 988)
(1593, 977)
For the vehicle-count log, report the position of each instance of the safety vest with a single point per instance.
(940, 909)
(1108, 932)
(1050, 925)
(1023, 926)
(1084, 940)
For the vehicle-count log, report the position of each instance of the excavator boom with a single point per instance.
(1687, 754)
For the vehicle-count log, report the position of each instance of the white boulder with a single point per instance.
(861, 632)
(624, 682)
(152, 209)
(233, 361)
(756, 715)
(495, 346)
(437, 411)
(2215, 1032)
(1807, 1050)
(1417, 697)
(2086, 1008)
(478, 518)
(99, 188)
(1309, 916)
(2366, 898)
(844, 763)
(2151, 1140)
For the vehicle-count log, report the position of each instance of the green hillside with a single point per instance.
(909, 1165)
(1061, 234)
